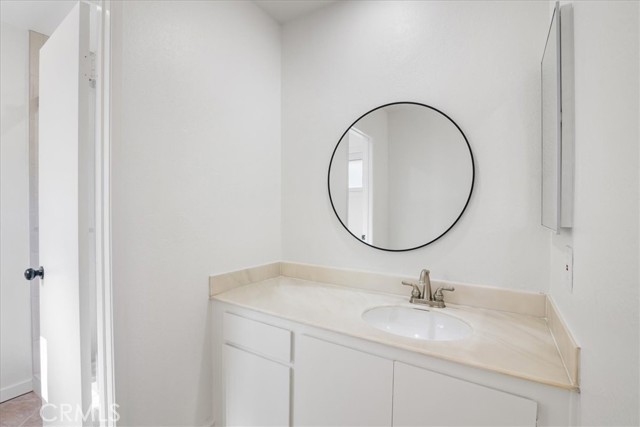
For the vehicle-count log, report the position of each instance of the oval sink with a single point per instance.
(416, 323)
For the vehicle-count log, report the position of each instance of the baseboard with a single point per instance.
(15, 390)
(35, 383)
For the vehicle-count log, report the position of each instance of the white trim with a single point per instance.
(359, 132)
(15, 390)
(105, 377)
(35, 381)
(367, 182)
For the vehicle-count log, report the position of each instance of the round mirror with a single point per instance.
(401, 176)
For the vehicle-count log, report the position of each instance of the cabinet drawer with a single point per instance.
(267, 340)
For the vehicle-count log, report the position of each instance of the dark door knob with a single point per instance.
(31, 274)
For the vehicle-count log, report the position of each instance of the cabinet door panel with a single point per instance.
(425, 398)
(256, 390)
(338, 386)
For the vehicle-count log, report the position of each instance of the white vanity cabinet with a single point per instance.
(339, 386)
(257, 373)
(270, 371)
(425, 398)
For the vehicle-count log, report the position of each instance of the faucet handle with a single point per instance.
(415, 292)
(437, 296)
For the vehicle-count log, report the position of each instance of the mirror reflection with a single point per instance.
(401, 176)
(551, 128)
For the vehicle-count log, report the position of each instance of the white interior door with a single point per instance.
(65, 215)
(359, 205)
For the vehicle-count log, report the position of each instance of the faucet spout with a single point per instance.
(425, 281)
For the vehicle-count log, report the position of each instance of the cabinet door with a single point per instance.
(425, 398)
(256, 390)
(338, 386)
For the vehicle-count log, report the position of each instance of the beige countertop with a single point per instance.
(509, 343)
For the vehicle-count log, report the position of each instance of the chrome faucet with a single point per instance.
(421, 292)
(425, 282)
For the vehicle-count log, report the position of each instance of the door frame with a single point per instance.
(105, 376)
(367, 181)
(90, 151)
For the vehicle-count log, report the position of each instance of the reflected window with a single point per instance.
(355, 174)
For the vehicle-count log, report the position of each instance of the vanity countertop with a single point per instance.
(514, 344)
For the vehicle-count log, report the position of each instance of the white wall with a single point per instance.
(197, 186)
(196, 190)
(602, 312)
(15, 313)
(479, 63)
(340, 178)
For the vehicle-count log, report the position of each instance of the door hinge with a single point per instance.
(91, 72)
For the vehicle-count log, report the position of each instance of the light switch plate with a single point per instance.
(568, 268)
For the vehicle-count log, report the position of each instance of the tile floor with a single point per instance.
(21, 411)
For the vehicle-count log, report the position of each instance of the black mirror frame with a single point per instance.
(473, 177)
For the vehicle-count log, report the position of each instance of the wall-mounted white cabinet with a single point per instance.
(270, 371)
(558, 117)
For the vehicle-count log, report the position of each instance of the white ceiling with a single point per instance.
(42, 16)
(286, 10)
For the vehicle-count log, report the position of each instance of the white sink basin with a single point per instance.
(417, 323)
